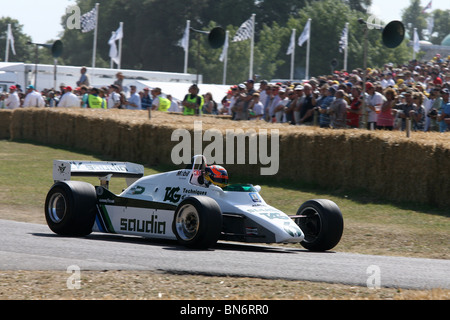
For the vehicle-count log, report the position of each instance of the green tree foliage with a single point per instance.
(413, 17)
(441, 25)
(24, 52)
(153, 28)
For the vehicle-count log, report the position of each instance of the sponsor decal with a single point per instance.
(137, 190)
(255, 197)
(152, 226)
(172, 194)
(62, 168)
(292, 229)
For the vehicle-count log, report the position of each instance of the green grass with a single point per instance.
(372, 226)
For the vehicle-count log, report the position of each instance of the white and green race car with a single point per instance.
(181, 205)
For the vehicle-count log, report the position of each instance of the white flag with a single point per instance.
(113, 52)
(343, 43)
(88, 21)
(225, 49)
(11, 39)
(245, 31)
(291, 48)
(119, 33)
(184, 42)
(305, 34)
(430, 25)
(416, 41)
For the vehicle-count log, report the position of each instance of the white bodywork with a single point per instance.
(146, 208)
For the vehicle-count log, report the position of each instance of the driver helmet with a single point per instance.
(217, 175)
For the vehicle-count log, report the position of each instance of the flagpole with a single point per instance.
(252, 45)
(225, 61)
(308, 50)
(113, 33)
(94, 53)
(8, 32)
(415, 40)
(186, 49)
(293, 53)
(120, 47)
(346, 48)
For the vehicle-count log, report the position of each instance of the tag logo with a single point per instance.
(172, 194)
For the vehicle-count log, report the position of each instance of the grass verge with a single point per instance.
(372, 226)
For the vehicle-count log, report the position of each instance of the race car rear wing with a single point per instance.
(64, 170)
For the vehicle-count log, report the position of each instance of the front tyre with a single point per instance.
(198, 222)
(70, 208)
(322, 223)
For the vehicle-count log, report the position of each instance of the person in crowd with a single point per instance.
(52, 100)
(119, 80)
(192, 102)
(385, 119)
(403, 110)
(373, 105)
(256, 107)
(33, 98)
(94, 100)
(444, 116)
(146, 99)
(69, 99)
(417, 115)
(210, 106)
(84, 78)
(174, 107)
(226, 102)
(324, 103)
(13, 100)
(134, 101)
(113, 97)
(160, 103)
(307, 107)
(280, 108)
(239, 106)
(354, 109)
(338, 111)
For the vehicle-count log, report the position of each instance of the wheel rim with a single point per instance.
(57, 207)
(310, 223)
(187, 222)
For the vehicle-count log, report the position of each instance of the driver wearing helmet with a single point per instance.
(216, 175)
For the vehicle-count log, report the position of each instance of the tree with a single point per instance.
(441, 25)
(413, 17)
(24, 52)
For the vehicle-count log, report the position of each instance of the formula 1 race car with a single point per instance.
(195, 206)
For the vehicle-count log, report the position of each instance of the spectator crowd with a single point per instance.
(413, 96)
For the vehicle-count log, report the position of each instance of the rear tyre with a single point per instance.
(322, 223)
(198, 222)
(70, 208)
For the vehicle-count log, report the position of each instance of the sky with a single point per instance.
(42, 18)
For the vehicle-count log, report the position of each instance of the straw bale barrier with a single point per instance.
(386, 164)
(5, 122)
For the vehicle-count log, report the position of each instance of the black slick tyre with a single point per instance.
(198, 222)
(322, 223)
(70, 208)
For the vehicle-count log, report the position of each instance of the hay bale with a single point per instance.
(383, 163)
(5, 123)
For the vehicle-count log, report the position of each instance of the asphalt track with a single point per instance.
(26, 246)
